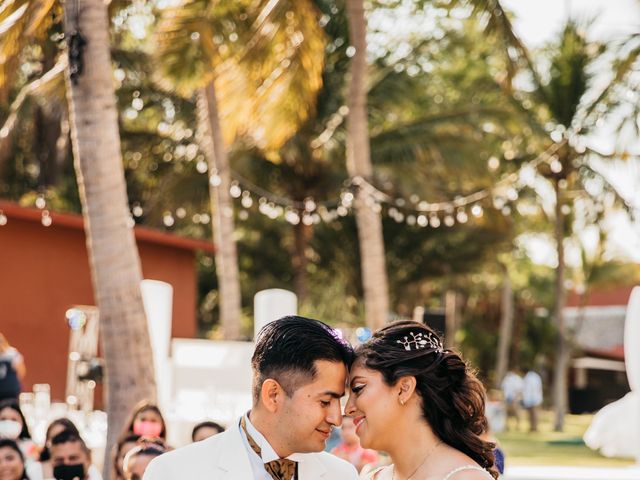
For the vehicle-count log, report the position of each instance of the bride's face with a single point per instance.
(373, 405)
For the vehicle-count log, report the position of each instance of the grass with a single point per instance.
(547, 447)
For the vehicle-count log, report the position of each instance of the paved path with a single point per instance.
(571, 473)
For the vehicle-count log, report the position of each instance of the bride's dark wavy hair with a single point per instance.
(452, 397)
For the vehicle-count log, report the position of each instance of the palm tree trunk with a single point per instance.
(372, 258)
(302, 236)
(226, 255)
(113, 255)
(506, 328)
(562, 351)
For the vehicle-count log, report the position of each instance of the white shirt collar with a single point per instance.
(268, 453)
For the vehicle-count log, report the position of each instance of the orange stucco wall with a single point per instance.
(44, 271)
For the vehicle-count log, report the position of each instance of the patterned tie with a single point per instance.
(281, 469)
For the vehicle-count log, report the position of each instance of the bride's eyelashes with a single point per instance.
(357, 389)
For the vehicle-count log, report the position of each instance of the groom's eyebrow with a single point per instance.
(331, 393)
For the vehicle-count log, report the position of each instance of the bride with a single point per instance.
(420, 404)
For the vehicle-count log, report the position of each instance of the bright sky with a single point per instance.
(537, 22)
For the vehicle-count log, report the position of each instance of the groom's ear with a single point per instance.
(271, 394)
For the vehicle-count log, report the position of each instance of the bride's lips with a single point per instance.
(357, 421)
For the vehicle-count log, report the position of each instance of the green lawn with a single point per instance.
(547, 447)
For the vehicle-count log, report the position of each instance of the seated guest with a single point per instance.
(205, 430)
(57, 426)
(14, 426)
(71, 458)
(146, 420)
(123, 446)
(136, 461)
(12, 466)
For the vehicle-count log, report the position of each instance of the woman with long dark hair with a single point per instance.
(421, 404)
(12, 466)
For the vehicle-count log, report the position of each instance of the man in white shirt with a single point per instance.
(512, 391)
(532, 397)
(300, 368)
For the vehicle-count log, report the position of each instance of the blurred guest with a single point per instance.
(136, 461)
(532, 397)
(512, 391)
(349, 448)
(124, 445)
(56, 427)
(14, 426)
(205, 430)
(71, 458)
(12, 463)
(12, 370)
(146, 420)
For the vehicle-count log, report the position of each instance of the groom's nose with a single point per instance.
(334, 415)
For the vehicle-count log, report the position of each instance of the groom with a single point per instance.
(299, 375)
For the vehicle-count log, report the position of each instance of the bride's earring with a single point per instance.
(402, 402)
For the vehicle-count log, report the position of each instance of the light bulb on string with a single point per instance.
(506, 210)
(461, 216)
(246, 201)
(234, 190)
(3, 219)
(41, 202)
(137, 210)
(196, 218)
(181, 212)
(477, 211)
(309, 204)
(342, 211)
(215, 180)
(168, 219)
(449, 221)
(434, 220)
(243, 215)
(346, 198)
(411, 220)
(555, 165)
(422, 220)
(292, 217)
(307, 219)
(205, 218)
(512, 194)
(131, 222)
(201, 166)
(46, 218)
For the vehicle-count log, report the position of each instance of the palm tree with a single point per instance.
(571, 100)
(372, 256)
(113, 255)
(233, 48)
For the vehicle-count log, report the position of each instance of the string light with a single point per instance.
(3, 219)
(413, 212)
(46, 219)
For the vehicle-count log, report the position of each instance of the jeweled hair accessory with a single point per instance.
(419, 341)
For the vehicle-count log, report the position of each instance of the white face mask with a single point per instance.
(10, 429)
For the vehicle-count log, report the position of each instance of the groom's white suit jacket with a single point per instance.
(224, 457)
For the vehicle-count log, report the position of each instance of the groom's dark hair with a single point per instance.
(287, 349)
